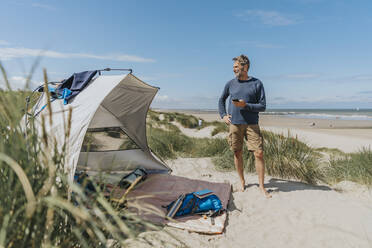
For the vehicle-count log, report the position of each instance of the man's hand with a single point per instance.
(240, 104)
(227, 119)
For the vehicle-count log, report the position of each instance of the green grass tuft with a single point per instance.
(220, 127)
(285, 157)
(356, 167)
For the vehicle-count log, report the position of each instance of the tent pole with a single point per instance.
(110, 69)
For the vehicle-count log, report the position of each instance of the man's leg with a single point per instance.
(260, 168)
(255, 144)
(236, 138)
(238, 161)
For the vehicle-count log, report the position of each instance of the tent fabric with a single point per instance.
(129, 104)
(103, 118)
(122, 100)
(161, 189)
(117, 161)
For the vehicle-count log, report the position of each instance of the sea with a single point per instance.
(329, 114)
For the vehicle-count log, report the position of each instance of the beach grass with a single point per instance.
(187, 121)
(164, 118)
(331, 151)
(220, 127)
(285, 156)
(170, 144)
(356, 167)
(37, 208)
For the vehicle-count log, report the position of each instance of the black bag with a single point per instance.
(127, 180)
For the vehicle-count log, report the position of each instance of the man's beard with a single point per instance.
(239, 74)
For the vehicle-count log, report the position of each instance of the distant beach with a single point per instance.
(346, 129)
(326, 114)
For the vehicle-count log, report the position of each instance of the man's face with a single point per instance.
(239, 69)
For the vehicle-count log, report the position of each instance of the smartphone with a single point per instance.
(235, 100)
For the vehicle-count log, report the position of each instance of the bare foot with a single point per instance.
(267, 194)
(239, 187)
(242, 186)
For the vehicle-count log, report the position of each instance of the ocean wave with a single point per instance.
(322, 116)
(278, 113)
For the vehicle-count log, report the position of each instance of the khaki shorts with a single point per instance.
(251, 133)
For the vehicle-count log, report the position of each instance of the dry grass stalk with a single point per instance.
(31, 200)
(46, 90)
(5, 77)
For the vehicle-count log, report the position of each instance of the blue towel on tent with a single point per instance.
(75, 84)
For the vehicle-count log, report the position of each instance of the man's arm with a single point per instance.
(222, 101)
(261, 105)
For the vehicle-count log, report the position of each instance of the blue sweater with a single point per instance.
(252, 92)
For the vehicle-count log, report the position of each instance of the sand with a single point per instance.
(298, 214)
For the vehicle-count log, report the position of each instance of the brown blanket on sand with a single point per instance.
(161, 189)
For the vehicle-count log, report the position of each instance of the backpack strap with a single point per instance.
(191, 203)
(175, 206)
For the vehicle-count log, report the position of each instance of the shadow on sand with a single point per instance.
(230, 208)
(275, 185)
(281, 185)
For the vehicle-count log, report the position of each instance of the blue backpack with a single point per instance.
(201, 202)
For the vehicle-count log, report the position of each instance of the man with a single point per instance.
(247, 99)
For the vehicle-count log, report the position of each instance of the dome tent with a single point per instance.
(111, 113)
(108, 137)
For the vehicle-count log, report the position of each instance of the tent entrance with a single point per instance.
(110, 148)
(107, 139)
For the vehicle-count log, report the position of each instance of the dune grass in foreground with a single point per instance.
(35, 205)
(285, 156)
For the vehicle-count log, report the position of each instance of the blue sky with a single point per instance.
(307, 53)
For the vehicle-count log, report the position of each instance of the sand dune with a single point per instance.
(201, 133)
(340, 139)
(298, 214)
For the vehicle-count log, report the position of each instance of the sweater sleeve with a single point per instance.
(260, 106)
(222, 100)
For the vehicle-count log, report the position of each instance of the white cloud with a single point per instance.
(18, 82)
(271, 18)
(363, 77)
(7, 53)
(369, 92)
(4, 43)
(186, 102)
(43, 6)
(161, 98)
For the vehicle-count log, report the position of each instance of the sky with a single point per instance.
(307, 53)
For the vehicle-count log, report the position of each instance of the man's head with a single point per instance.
(241, 66)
